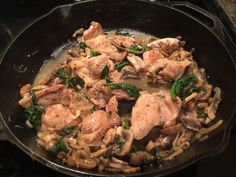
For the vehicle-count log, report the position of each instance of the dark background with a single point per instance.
(14, 15)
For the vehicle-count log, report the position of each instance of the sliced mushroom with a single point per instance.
(190, 121)
(165, 142)
(207, 92)
(128, 72)
(117, 165)
(151, 145)
(202, 105)
(82, 160)
(189, 98)
(211, 110)
(137, 158)
(172, 130)
(128, 135)
(101, 152)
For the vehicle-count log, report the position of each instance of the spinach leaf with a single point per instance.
(33, 112)
(68, 131)
(121, 64)
(69, 81)
(104, 72)
(118, 140)
(130, 89)
(201, 113)
(82, 45)
(177, 89)
(94, 53)
(59, 146)
(137, 49)
(125, 123)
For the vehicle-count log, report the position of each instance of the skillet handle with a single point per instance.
(201, 15)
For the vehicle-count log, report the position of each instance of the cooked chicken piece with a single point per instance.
(150, 57)
(122, 41)
(169, 109)
(109, 136)
(80, 68)
(94, 30)
(136, 61)
(180, 54)
(121, 94)
(115, 76)
(97, 64)
(26, 100)
(79, 102)
(103, 45)
(94, 126)
(112, 110)
(99, 94)
(174, 69)
(158, 66)
(51, 96)
(166, 45)
(152, 110)
(112, 105)
(57, 116)
(145, 115)
(25, 89)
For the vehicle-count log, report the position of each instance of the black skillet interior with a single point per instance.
(37, 42)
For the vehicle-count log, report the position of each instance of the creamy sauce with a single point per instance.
(58, 57)
(142, 84)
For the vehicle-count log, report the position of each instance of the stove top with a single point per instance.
(15, 163)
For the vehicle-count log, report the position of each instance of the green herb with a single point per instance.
(93, 110)
(65, 75)
(201, 113)
(68, 131)
(34, 111)
(94, 53)
(118, 140)
(108, 79)
(195, 89)
(130, 89)
(121, 32)
(82, 45)
(59, 146)
(125, 123)
(134, 149)
(177, 89)
(137, 49)
(104, 73)
(76, 81)
(122, 64)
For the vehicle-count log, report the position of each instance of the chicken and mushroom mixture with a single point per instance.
(77, 109)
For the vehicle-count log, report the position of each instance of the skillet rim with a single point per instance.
(74, 172)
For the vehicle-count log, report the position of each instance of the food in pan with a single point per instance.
(120, 101)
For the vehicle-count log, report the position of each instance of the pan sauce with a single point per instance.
(75, 101)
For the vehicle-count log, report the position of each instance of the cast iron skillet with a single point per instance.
(41, 38)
